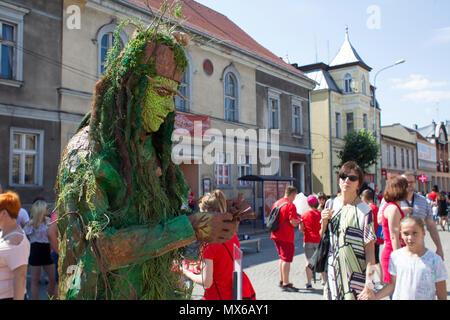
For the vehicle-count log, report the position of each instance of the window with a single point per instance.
(388, 155)
(338, 125)
(230, 97)
(274, 111)
(181, 104)
(363, 85)
(412, 160)
(403, 157)
(232, 93)
(348, 83)
(222, 170)
(297, 119)
(349, 121)
(395, 157)
(26, 162)
(185, 88)
(105, 40)
(11, 43)
(407, 159)
(7, 50)
(244, 168)
(365, 123)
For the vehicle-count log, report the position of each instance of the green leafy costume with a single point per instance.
(119, 194)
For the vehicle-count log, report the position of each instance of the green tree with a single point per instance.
(360, 146)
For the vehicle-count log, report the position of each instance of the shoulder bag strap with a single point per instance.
(280, 210)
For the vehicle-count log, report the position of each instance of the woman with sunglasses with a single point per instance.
(349, 222)
(391, 214)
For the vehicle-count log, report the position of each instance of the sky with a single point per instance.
(382, 32)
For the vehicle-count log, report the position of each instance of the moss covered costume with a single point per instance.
(119, 193)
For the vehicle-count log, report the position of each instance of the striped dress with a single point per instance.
(351, 229)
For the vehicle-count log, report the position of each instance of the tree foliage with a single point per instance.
(360, 146)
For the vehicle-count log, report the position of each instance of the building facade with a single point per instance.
(341, 102)
(436, 135)
(398, 152)
(30, 109)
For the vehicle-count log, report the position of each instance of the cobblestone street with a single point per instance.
(262, 269)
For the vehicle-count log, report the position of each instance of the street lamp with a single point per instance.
(375, 111)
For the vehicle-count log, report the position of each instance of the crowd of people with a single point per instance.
(358, 226)
(26, 242)
(357, 222)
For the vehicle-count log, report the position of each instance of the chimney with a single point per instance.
(416, 127)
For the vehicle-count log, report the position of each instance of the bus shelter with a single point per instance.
(263, 179)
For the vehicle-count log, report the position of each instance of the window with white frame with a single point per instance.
(388, 155)
(230, 97)
(222, 170)
(297, 118)
(395, 156)
(8, 49)
(402, 153)
(407, 159)
(27, 158)
(244, 168)
(363, 85)
(105, 41)
(349, 121)
(11, 42)
(338, 124)
(274, 111)
(181, 104)
(348, 83)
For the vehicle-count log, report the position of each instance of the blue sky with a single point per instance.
(382, 32)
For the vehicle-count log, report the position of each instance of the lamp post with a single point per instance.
(375, 112)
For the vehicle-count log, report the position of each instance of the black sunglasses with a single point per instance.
(352, 178)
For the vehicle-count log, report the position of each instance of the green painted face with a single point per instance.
(158, 102)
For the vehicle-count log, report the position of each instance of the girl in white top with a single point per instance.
(14, 249)
(416, 272)
(37, 230)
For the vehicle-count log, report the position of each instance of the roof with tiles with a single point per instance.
(216, 25)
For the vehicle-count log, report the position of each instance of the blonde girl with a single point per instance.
(37, 232)
(416, 272)
(216, 276)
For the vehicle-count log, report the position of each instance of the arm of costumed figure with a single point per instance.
(139, 243)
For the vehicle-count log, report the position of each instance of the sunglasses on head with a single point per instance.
(352, 178)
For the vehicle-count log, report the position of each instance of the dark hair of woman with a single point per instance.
(396, 189)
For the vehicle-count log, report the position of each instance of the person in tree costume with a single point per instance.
(119, 194)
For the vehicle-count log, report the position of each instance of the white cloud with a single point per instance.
(440, 36)
(417, 82)
(420, 89)
(427, 96)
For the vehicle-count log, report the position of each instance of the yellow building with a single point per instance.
(342, 101)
